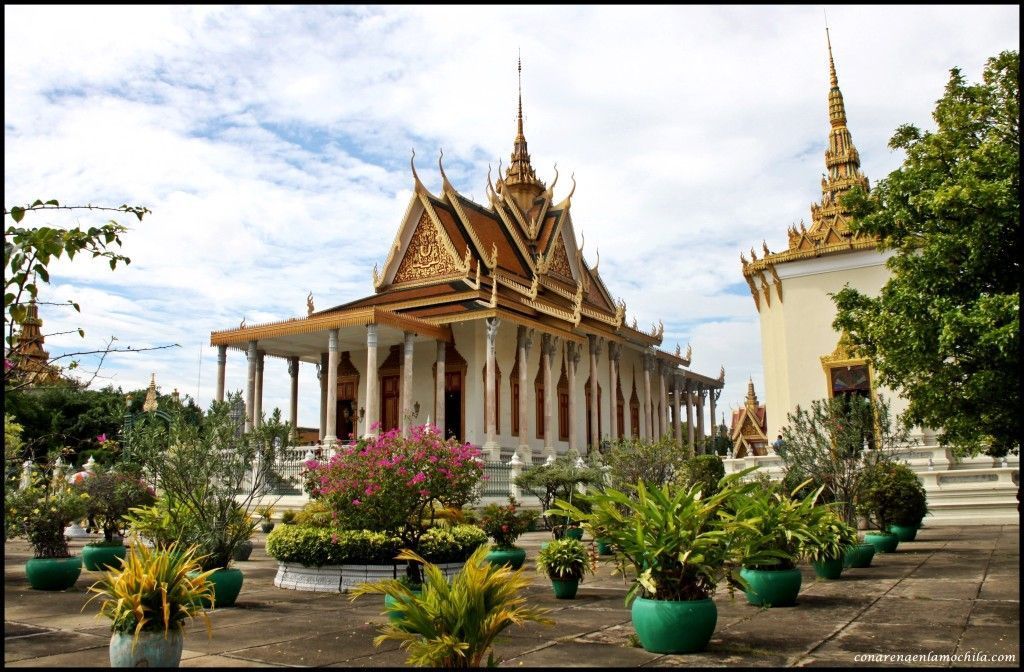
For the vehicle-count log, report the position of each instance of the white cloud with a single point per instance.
(272, 144)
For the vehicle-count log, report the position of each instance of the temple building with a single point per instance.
(804, 357)
(487, 321)
(27, 354)
(749, 425)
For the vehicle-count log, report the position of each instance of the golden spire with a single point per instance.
(751, 395)
(520, 177)
(150, 404)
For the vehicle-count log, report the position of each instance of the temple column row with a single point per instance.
(549, 346)
(524, 341)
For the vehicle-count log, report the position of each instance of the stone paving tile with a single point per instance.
(50, 643)
(990, 640)
(998, 588)
(948, 589)
(222, 661)
(909, 611)
(334, 647)
(891, 639)
(989, 612)
(582, 654)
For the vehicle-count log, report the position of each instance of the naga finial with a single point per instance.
(679, 350)
(596, 265)
(743, 259)
(309, 304)
(753, 255)
(466, 258)
(494, 255)
(689, 352)
(241, 325)
(412, 163)
(555, 181)
(764, 246)
(444, 178)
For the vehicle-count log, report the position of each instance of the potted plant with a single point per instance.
(453, 625)
(679, 547)
(911, 508)
(288, 517)
(504, 524)
(565, 561)
(887, 495)
(776, 528)
(266, 512)
(111, 495)
(244, 548)
(149, 599)
(211, 476)
(40, 512)
(559, 479)
(831, 538)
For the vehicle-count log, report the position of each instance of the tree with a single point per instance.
(653, 462)
(28, 253)
(944, 331)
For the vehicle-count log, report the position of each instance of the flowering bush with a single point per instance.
(111, 495)
(41, 512)
(387, 483)
(506, 523)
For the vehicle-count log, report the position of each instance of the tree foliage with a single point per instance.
(945, 329)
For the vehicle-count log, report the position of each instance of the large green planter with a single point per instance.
(565, 589)
(904, 532)
(53, 573)
(669, 626)
(152, 649)
(227, 583)
(603, 547)
(99, 558)
(574, 533)
(859, 556)
(883, 542)
(514, 557)
(772, 587)
(829, 569)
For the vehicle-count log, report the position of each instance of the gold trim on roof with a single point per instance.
(325, 322)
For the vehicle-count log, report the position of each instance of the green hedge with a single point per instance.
(317, 546)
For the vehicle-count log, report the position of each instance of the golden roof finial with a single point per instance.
(520, 172)
(519, 74)
(150, 404)
(309, 304)
(417, 185)
(445, 184)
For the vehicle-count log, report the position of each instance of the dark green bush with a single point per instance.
(318, 546)
(891, 493)
(707, 470)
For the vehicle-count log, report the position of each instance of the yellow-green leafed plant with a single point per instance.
(454, 625)
(154, 590)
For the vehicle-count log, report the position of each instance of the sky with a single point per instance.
(272, 146)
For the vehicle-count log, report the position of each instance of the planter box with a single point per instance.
(342, 578)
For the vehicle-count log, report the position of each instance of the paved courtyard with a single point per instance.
(954, 591)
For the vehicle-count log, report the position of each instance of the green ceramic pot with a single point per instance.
(829, 569)
(565, 589)
(859, 556)
(100, 557)
(669, 626)
(772, 587)
(227, 583)
(603, 547)
(242, 551)
(904, 532)
(152, 649)
(514, 557)
(390, 601)
(883, 542)
(574, 533)
(53, 573)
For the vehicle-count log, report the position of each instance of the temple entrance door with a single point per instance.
(346, 409)
(453, 405)
(389, 392)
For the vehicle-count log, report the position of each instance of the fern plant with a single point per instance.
(453, 625)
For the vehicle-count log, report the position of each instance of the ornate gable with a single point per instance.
(560, 261)
(427, 255)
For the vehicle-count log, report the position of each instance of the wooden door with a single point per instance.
(453, 405)
(389, 398)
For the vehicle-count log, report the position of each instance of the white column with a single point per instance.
(372, 398)
(407, 383)
(700, 416)
(648, 400)
(677, 426)
(662, 402)
(439, 410)
(331, 437)
(614, 354)
(293, 406)
(549, 345)
(712, 397)
(595, 408)
(689, 413)
(222, 361)
(250, 385)
(524, 340)
(257, 413)
(572, 353)
(322, 377)
(491, 445)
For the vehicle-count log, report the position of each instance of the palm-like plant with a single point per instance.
(454, 625)
(154, 590)
(832, 537)
(674, 538)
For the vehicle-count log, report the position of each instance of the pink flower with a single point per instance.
(8, 365)
(356, 502)
(102, 438)
(334, 538)
(418, 478)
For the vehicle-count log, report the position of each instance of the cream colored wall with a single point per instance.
(796, 334)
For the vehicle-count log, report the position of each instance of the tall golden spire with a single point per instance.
(520, 177)
(841, 157)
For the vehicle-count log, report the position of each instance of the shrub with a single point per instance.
(316, 513)
(288, 517)
(705, 471)
(40, 513)
(558, 480)
(111, 495)
(891, 493)
(318, 546)
(653, 462)
(565, 559)
(388, 483)
(506, 523)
